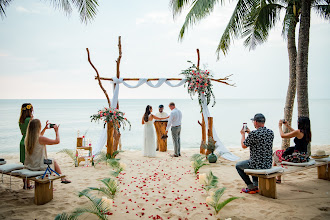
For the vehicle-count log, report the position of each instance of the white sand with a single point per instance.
(167, 187)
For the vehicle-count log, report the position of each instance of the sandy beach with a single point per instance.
(167, 187)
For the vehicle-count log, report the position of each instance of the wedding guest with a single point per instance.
(36, 151)
(161, 113)
(24, 119)
(174, 122)
(260, 142)
(302, 137)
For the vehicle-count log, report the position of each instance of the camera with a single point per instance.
(48, 161)
(51, 125)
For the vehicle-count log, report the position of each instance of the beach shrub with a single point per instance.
(197, 161)
(209, 181)
(214, 200)
(110, 188)
(99, 207)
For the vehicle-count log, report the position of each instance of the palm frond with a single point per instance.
(87, 9)
(178, 5)
(198, 161)
(216, 204)
(199, 10)
(3, 5)
(69, 152)
(235, 25)
(110, 188)
(211, 181)
(323, 10)
(101, 157)
(64, 216)
(259, 22)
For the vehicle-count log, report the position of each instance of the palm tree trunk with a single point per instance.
(291, 92)
(302, 59)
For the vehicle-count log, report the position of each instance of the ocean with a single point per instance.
(229, 116)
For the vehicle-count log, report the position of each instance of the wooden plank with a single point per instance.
(289, 170)
(323, 172)
(267, 187)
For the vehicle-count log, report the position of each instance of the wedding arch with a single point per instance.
(110, 136)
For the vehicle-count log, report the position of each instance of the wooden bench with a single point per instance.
(267, 183)
(43, 188)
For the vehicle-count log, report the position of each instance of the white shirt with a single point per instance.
(174, 119)
(161, 115)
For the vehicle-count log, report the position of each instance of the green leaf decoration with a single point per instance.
(216, 204)
(198, 161)
(211, 181)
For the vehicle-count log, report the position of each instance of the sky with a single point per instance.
(43, 53)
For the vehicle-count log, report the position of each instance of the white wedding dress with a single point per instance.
(149, 143)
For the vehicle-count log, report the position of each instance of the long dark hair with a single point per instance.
(26, 111)
(304, 125)
(147, 113)
(32, 135)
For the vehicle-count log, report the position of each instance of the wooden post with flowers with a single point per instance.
(203, 142)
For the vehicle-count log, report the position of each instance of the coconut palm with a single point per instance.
(252, 20)
(86, 8)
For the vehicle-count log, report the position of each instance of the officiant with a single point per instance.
(160, 126)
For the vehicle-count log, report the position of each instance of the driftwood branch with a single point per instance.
(220, 80)
(198, 58)
(98, 78)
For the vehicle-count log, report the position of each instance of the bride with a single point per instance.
(149, 142)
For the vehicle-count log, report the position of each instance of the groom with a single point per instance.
(175, 122)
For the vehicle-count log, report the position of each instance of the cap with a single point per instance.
(259, 118)
(161, 106)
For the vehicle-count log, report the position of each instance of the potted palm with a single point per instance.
(210, 146)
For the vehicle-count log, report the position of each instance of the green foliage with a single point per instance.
(197, 161)
(211, 181)
(97, 207)
(64, 216)
(110, 188)
(86, 8)
(210, 145)
(216, 204)
(114, 163)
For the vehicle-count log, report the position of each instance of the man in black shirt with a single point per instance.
(260, 142)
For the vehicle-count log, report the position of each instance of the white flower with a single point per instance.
(202, 178)
(209, 199)
(123, 165)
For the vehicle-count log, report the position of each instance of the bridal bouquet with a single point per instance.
(198, 81)
(111, 115)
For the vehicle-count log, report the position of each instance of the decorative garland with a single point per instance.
(111, 115)
(198, 81)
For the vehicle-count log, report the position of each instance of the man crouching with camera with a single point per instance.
(35, 144)
(260, 142)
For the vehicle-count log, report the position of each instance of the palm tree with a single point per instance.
(253, 19)
(86, 8)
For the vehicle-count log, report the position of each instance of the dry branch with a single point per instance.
(98, 78)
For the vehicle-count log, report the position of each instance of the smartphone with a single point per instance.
(244, 127)
(51, 125)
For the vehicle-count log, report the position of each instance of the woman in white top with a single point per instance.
(35, 144)
(149, 142)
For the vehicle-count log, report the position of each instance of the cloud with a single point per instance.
(4, 54)
(155, 18)
(21, 9)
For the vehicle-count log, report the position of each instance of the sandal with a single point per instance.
(278, 181)
(65, 181)
(29, 187)
(250, 191)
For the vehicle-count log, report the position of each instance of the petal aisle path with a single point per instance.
(147, 190)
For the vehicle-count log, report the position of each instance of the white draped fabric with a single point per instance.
(221, 149)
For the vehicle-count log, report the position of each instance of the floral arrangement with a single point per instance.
(198, 81)
(111, 115)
